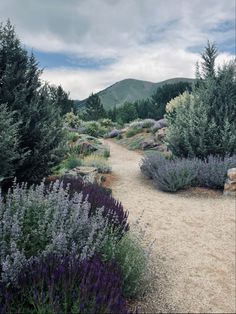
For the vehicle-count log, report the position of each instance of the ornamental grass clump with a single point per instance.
(98, 162)
(65, 284)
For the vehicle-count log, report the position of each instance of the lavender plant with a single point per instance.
(56, 284)
(178, 173)
(33, 223)
(99, 197)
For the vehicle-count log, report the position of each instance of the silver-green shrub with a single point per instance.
(35, 221)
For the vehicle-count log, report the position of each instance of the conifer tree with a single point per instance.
(40, 128)
(94, 108)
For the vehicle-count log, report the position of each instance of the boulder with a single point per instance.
(148, 144)
(86, 147)
(230, 184)
(160, 134)
(232, 174)
(88, 174)
(84, 171)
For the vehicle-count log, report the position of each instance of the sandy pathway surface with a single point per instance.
(194, 252)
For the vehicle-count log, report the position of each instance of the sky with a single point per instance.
(88, 45)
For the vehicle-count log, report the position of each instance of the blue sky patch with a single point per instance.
(55, 60)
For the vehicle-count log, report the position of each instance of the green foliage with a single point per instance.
(8, 142)
(72, 162)
(126, 113)
(131, 257)
(165, 93)
(40, 132)
(106, 153)
(72, 136)
(72, 120)
(93, 128)
(98, 162)
(150, 108)
(132, 260)
(133, 131)
(205, 123)
(94, 108)
(61, 100)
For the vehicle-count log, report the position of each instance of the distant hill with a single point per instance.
(130, 90)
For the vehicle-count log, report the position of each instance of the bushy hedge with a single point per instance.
(171, 175)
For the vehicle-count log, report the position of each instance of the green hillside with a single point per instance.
(130, 90)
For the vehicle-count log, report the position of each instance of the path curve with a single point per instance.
(194, 252)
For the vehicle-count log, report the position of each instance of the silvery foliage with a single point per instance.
(162, 123)
(142, 124)
(33, 223)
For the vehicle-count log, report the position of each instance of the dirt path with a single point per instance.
(194, 252)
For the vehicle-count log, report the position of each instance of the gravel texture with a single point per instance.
(193, 260)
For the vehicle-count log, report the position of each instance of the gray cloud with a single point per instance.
(149, 39)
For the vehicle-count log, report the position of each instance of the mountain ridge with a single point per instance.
(130, 90)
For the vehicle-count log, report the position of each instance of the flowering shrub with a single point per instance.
(212, 171)
(174, 174)
(33, 222)
(65, 284)
(99, 197)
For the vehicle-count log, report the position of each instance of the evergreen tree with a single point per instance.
(205, 124)
(40, 130)
(126, 113)
(62, 100)
(164, 94)
(94, 108)
(8, 143)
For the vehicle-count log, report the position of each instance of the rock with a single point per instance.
(160, 134)
(230, 184)
(86, 147)
(84, 171)
(232, 174)
(148, 144)
(88, 174)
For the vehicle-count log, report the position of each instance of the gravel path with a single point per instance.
(194, 252)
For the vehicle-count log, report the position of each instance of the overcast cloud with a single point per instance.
(87, 45)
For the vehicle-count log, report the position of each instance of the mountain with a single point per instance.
(130, 90)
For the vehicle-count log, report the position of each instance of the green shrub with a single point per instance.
(72, 136)
(72, 120)
(106, 153)
(204, 123)
(132, 260)
(72, 162)
(133, 131)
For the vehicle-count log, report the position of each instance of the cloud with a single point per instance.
(108, 40)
